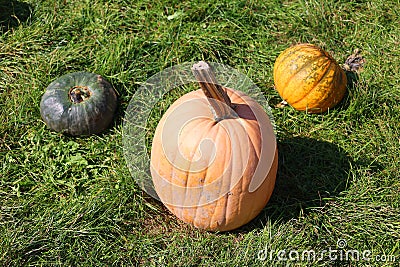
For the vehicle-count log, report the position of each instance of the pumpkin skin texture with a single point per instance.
(215, 175)
(79, 103)
(309, 79)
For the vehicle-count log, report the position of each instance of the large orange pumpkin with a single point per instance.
(309, 79)
(214, 159)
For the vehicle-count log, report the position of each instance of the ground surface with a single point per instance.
(72, 201)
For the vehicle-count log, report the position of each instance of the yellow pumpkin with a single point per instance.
(309, 79)
(214, 156)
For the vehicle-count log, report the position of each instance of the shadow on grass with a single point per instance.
(352, 82)
(310, 173)
(13, 13)
(352, 79)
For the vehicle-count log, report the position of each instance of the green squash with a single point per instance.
(79, 103)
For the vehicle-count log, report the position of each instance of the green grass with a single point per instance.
(72, 201)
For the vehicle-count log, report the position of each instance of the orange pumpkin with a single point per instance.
(214, 156)
(309, 79)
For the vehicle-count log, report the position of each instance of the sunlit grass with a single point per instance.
(72, 201)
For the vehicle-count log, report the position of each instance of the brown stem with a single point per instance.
(78, 94)
(219, 100)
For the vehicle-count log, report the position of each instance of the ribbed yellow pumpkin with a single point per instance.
(309, 79)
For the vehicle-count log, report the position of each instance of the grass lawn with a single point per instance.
(72, 201)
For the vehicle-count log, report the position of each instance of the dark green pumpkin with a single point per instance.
(79, 103)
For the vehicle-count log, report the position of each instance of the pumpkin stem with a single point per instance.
(355, 62)
(353, 65)
(220, 103)
(77, 94)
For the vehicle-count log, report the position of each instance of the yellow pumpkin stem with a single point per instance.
(220, 103)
